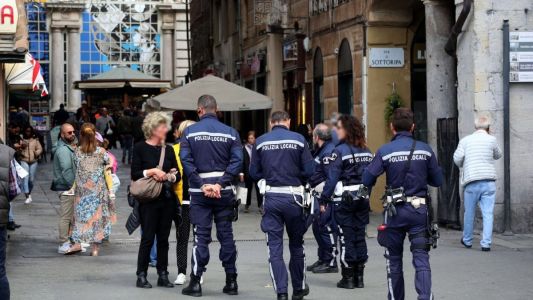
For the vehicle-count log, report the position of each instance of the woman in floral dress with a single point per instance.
(94, 209)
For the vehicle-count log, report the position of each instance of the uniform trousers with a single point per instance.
(282, 212)
(352, 219)
(325, 233)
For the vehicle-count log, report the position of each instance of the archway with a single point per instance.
(318, 86)
(345, 79)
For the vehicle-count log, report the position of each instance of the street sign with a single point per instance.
(8, 16)
(521, 56)
(386, 58)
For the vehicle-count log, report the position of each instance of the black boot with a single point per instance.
(194, 288)
(300, 294)
(326, 268)
(283, 296)
(347, 281)
(142, 282)
(231, 287)
(311, 267)
(163, 280)
(359, 276)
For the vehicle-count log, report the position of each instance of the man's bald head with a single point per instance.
(68, 133)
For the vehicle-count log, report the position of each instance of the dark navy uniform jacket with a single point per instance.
(322, 163)
(210, 146)
(346, 164)
(282, 158)
(392, 159)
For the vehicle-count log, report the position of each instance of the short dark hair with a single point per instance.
(279, 116)
(402, 119)
(207, 102)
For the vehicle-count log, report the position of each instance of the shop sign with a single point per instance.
(521, 56)
(387, 58)
(8, 16)
(290, 51)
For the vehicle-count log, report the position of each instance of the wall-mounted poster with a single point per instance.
(521, 56)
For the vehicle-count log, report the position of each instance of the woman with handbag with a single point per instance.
(94, 207)
(154, 172)
(29, 152)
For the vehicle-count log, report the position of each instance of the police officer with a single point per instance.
(324, 227)
(211, 155)
(410, 166)
(282, 158)
(344, 190)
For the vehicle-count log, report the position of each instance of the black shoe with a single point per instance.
(163, 280)
(347, 281)
(359, 276)
(231, 287)
(299, 295)
(283, 296)
(142, 282)
(464, 244)
(12, 226)
(325, 268)
(194, 288)
(316, 264)
(485, 249)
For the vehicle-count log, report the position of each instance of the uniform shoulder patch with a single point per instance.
(331, 158)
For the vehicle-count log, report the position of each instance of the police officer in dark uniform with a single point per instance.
(211, 155)
(350, 198)
(282, 158)
(324, 226)
(410, 166)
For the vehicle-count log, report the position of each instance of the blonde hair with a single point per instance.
(152, 120)
(183, 125)
(87, 138)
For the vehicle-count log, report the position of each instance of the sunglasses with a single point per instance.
(69, 132)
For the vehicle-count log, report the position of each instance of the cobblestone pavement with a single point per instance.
(36, 271)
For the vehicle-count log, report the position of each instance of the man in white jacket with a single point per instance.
(476, 154)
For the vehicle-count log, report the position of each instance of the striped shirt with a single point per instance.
(476, 154)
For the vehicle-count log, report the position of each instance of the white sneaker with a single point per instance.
(28, 200)
(182, 278)
(84, 247)
(63, 248)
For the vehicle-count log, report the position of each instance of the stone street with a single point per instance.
(36, 271)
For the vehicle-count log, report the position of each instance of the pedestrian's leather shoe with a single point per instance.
(231, 287)
(464, 244)
(299, 295)
(325, 268)
(359, 276)
(347, 281)
(311, 267)
(485, 249)
(142, 282)
(194, 289)
(283, 296)
(163, 280)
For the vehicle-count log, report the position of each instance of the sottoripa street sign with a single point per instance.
(387, 58)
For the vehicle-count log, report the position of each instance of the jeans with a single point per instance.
(27, 182)
(484, 193)
(11, 216)
(4, 284)
(153, 252)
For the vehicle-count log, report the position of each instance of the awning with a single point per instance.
(120, 77)
(19, 75)
(229, 96)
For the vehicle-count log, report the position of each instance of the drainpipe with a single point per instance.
(451, 44)
(506, 133)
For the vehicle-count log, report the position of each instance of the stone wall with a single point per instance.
(479, 90)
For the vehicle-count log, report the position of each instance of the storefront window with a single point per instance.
(120, 33)
(38, 36)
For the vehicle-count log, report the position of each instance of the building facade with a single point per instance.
(316, 57)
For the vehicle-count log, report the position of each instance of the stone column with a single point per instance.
(441, 94)
(74, 69)
(275, 70)
(167, 65)
(57, 66)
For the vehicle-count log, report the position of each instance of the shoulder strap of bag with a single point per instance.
(409, 159)
(162, 157)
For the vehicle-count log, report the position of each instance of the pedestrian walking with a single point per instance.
(282, 158)
(211, 154)
(476, 154)
(29, 152)
(105, 124)
(324, 225)
(350, 198)
(410, 166)
(94, 209)
(156, 215)
(64, 169)
(245, 177)
(124, 128)
(183, 221)
(8, 181)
